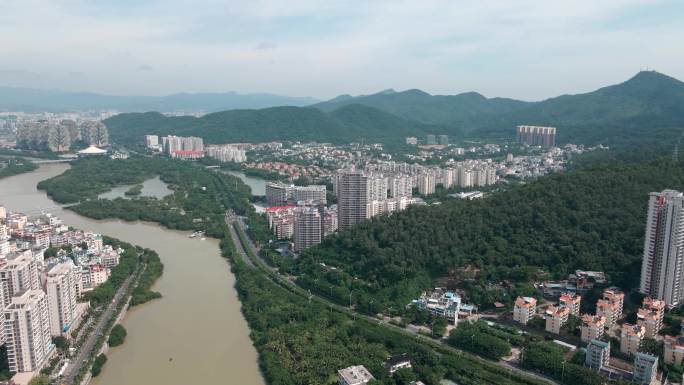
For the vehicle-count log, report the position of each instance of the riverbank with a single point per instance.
(15, 166)
(302, 341)
(195, 283)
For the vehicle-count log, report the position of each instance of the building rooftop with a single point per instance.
(525, 302)
(630, 330)
(357, 374)
(593, 320)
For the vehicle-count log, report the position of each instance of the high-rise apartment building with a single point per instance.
(431, 140)
(662, 268)
(277, 194)
(307, 228)
(426, 184)
(400, 186)
(20, 273)
(27, 330)
(61, 287)
(444, 140)
(537, 136)
(352, 198)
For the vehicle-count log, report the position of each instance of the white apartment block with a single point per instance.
(278, 194)
(151, 141)
(631, 337)
(27, 331)
(314, 193)
(226, 153)
(556, 317)
(524, 310)
(400, 186)
(426, 184)
(593, 327)
(661, 273)
(571, 301)
(61, 288)
(610, 306)
(18, 275)
(598, 354)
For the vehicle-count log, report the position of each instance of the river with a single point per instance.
(195, 334)
(258, 185)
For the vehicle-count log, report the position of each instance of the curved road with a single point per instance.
(235, 223)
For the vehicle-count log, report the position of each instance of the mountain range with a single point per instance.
(33, 100)
(649, 106)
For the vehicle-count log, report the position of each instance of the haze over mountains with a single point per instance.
(643, 106)
(33, 100)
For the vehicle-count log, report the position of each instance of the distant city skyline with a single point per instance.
(529, 50)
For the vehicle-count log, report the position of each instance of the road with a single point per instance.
(86, 350)
(289, 285)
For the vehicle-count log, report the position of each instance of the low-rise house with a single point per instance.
(354, 375)
(396, 362)
(445, 304)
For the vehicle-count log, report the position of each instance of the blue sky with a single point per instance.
(521, 49)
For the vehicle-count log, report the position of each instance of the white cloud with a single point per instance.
(526, 49)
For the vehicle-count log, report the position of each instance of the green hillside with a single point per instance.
(432, 109)
(351, 123)
(591, 218)
(648, 102)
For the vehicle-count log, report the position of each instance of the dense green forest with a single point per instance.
(588, 218)
(129, 262)
(14, 166)
(303, 342)
(348, 124)
(199, 201)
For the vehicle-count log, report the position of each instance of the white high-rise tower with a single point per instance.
(662, 269)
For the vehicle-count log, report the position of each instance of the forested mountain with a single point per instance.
(433, 109)
(351, 123)
(590, 218)
(629, 111)
(647, 108)
(645, 102)
(30, 100)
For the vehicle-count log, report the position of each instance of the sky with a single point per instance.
(521, 49)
